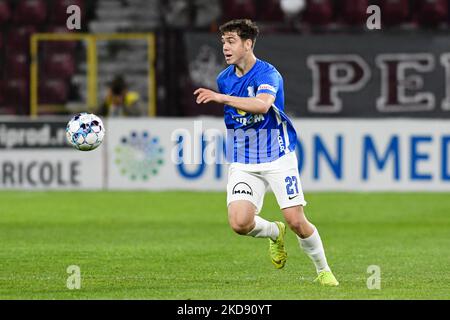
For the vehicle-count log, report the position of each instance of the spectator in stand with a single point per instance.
(120, 101)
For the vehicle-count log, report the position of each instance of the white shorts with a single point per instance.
(251, 181)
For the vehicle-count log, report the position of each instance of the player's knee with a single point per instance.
(294, 224)
(241, 225)
(296, 220)
(241, 228)
(241, 222)
(301, 227)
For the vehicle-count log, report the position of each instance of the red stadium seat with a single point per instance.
(58, 29)
(32, 12)
(60, 46)
(16, 94)
(19, 38)
(5, 12)
(17, 65)
(394, 12)
(52, 47)
(53, 91)
(319, 12)
(60, 65)
(354, 12)
(238, 9)
(7, 110)
(59, 10)
(431, 12)
(2, 93)
(270, 11)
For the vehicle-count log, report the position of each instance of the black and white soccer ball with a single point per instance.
(85, 131)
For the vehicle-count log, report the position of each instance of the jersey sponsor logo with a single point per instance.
(251, 91)
(292, 197)
(281, 143)
(255, 118)
(242, 188)
(267, 87)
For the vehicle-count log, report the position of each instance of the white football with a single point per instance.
(85, 131)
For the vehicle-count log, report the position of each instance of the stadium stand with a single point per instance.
(16, 95)
(238, 9)
(17, 65)
(2, 95)
(431, 12)
(53, 91)
(5, 12)
(18, 21)
(394, 12)
(353, 13)
(32, 12)
(319, 12)
(270, 11)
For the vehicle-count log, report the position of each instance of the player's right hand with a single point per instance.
(206, 95)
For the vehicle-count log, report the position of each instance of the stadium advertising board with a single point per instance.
(346, 154)
(189, 154)
(35, 155)
(144, 154)
(381, 75)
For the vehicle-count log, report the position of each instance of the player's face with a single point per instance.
(234, 48)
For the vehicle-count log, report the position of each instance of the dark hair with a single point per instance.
(118, 85)
(245, 29)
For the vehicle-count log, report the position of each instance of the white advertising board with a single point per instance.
(34, 155)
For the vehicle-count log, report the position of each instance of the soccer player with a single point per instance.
(261, 148)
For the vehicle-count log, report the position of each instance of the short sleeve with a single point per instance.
(219, 85)
(268, 83)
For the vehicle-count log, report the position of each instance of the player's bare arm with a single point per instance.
(259, 104)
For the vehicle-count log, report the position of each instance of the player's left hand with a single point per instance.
(206, 95)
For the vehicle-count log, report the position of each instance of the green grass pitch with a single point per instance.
(178, 245)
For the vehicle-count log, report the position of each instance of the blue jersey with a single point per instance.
(256, 138)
